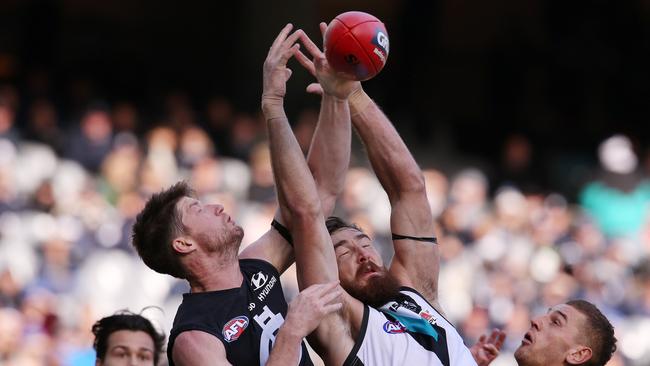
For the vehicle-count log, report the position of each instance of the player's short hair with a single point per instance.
(125, 320)
(598, 332)
(156, 226)
(335, 224)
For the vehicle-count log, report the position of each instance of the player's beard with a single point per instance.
(225, 244)
(378, 290)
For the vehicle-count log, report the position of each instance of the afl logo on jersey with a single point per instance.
(394, 327)
(234, 328)
(259, 279)
(428, 317)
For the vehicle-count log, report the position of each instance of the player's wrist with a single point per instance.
(273, 106)
(272, 99)
(358, 100)
(290, 332)
(335, 98)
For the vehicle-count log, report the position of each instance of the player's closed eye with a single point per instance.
(120, 354)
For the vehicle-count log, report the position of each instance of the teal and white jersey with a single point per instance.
(408, 331)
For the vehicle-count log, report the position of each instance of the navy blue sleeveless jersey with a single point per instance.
(245, 319)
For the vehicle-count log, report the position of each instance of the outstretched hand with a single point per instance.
(276, 74)
(311, 305)
(487, 348)
(330, 81)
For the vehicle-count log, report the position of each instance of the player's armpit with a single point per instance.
(270, 247)
(334, 338)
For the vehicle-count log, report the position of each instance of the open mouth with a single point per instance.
(528, 338)
(368, 271)
(371, 274)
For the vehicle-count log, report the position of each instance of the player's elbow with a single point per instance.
(301, 211)
(413, 182)
(327, 201)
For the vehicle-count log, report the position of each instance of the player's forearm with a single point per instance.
(329, 153)
(299, 203)
(391, 160)
(296, 191)
(286, 348)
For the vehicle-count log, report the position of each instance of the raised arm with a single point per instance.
(329, 155)
(300, 204)
(416, 262)
(328, 159)
(296, 190)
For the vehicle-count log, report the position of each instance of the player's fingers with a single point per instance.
(329, 286)
(493, 336)
(332, 307)
(313, 291)
(331, 294)
(320, 62)
(500, 339)
(315, 88)
(281, 36)
(323, 28)
(491, 349)
(298, 34)
(288, 53)
(325, 288)
(293, 38)
(304, 61)
(481, 339)
(311, 47)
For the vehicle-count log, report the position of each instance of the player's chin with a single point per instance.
(238, 232)
(371, 280)
(520, 353)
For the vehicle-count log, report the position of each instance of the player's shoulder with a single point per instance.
(254, 265)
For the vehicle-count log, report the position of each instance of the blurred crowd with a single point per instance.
(70, 189)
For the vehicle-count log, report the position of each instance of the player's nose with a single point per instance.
(361, 257)
(536, 323)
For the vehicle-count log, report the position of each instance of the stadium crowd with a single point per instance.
(69, 193)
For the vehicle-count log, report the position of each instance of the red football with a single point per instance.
(356, 44)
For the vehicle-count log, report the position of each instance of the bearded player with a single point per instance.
(390, 316)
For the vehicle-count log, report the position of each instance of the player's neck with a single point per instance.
(215, 276)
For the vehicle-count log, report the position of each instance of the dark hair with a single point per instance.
(156, 226)
(125, 320)
(335, 223)
(598, 331)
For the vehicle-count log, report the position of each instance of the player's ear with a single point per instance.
(578, 355)
(183, 245)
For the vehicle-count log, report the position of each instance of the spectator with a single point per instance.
(7, 120)
(618, 198)
(505, 256)
(43, 125)
(127, 339)
(91, 142)
(219, 119)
